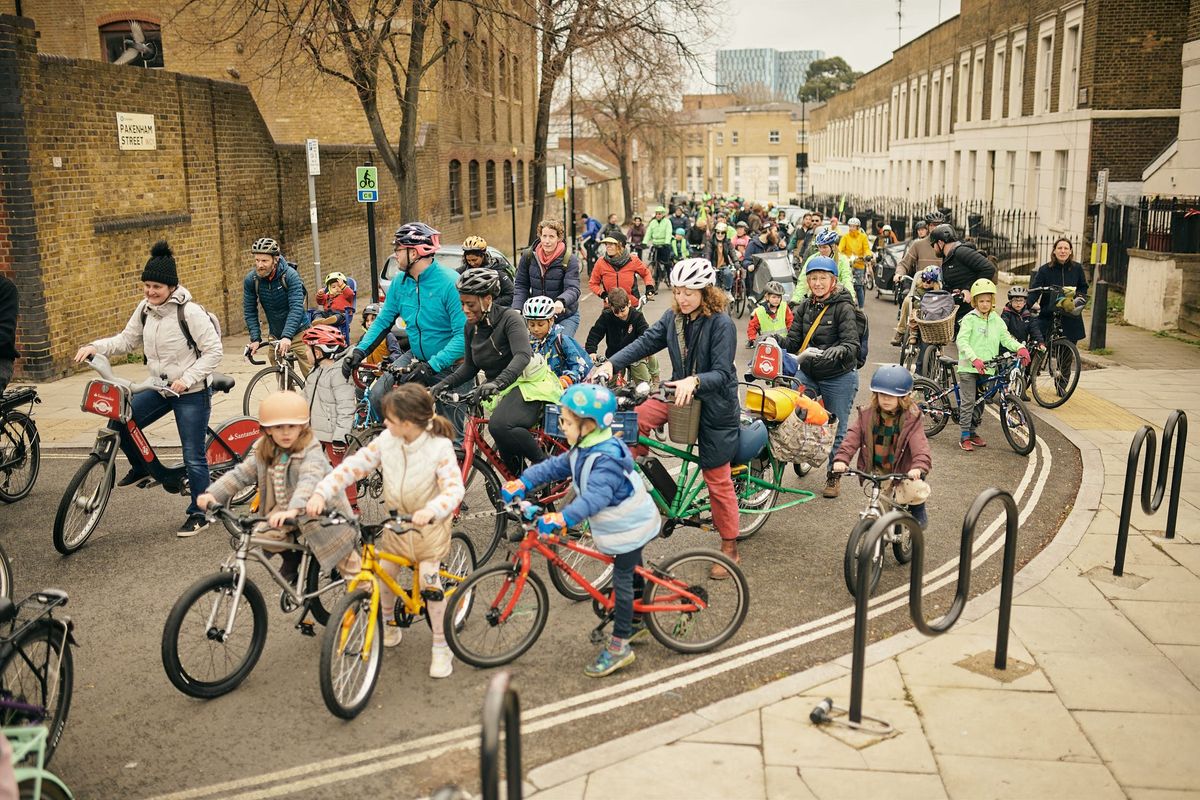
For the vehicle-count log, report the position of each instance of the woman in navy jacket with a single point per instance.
(545, 270)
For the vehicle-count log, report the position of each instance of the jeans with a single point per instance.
(570, 324)
(860, 293)
(191, 420)
(725, 278)
(627, 585)
(838, 394)
(457, 414)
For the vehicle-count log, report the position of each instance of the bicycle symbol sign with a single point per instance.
(367, 178)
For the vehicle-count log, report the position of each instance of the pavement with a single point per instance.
(1101, 696)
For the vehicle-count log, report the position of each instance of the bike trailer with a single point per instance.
(775, 265)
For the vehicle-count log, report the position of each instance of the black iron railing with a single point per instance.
(1150, 505)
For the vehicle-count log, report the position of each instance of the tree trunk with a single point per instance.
(541, 132)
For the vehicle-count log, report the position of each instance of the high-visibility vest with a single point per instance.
(772, 326)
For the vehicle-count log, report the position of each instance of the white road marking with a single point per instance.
(550, 715)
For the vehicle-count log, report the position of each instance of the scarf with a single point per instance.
(616, 262)
(547, 260)
(884, 432)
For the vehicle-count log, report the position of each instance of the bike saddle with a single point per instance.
(222, 382)
(8, 611)
(948, 361)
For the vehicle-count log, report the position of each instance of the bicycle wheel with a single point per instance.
(480, 515)
(316, 579)
(596, 572)
(934, 404)
(506, 615)
(910, 353)
(266, 381)
(1017, 423)
(82, 504)
(901, 544)
(20, 456)
(1057, 375)
(753, 496)
(371, 506)
(201, 655)
(739, 297)
(36, 669)
(869, 278)
(850, 560)
(5, 575)
(52, 788)
(726, 602)
(348, 670)
(929, 362)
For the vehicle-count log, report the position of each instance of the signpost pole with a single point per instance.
(314, 169)
(371, 248)
(1099, 287)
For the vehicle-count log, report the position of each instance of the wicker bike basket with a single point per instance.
(936, 331)
(683, 422)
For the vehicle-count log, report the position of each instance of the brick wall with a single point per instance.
(1139, 39)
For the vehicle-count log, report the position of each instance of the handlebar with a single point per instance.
(876, 479)
(249, 356)
(154, 383)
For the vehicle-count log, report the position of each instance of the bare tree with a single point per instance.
(628, 98)
(568, 27)
(382, 48)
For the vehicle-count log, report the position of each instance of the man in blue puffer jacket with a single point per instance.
(279, 289)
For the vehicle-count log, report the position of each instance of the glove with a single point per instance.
(488, 389)
(1041, 346)
(1023, 354)
(551, 523)
(438, 388)
(419, 372)
(351, 362)
(513, 490)
(979, 366)
(565, 380)
(1080, 302)
(808, 352)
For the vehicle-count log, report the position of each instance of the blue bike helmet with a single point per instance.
(892, 379)
(752, 438)
(821, 264)
(931, 274)
(828, 236)
(590, 401)
(680, 231)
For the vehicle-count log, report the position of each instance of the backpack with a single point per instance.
(864, 333)
(183, 326)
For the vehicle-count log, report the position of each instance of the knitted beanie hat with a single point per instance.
(161, 266)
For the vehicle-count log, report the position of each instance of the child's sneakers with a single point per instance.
(977, 440)
(610, 660)
(392, 634)
(965, 444)
(442, 662)
(640, 632)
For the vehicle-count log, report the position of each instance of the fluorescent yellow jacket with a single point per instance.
(855, 245)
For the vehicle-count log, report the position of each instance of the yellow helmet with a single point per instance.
(335, 276)
(474, 243)
(982, 286)
(283, 408)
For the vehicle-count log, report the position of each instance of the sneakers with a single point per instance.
(132, 477)
(977, 440)
(609, 661)
(329, 320)
(442, 662)
(392, 635)
(965, 444)
(191, 526)
(896, 339)
(833, 486)
(640, 632)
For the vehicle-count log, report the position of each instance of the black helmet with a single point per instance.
(479, 281)
(922, 223)
(943, 233)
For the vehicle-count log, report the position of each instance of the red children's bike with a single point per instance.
(88, 492)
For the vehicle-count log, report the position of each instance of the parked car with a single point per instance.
(448, 255)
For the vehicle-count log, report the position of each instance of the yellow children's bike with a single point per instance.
(352, 648)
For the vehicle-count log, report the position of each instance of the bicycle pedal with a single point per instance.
(146, 483)
(306, 629)
(597, 636)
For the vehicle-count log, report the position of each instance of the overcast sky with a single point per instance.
(864, 33)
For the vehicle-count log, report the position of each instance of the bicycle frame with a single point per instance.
(49, 600)
(475, 443)
(31, 742)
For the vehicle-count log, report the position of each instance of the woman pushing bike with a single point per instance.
(1061, 270)
(702, 343)
(497, 342)
(181, 341)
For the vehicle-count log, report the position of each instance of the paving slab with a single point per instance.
(834, 784)
(1083, 630)
(684, 769)
(572, 790)
(746, 729)
(1069, 588)
(1130, 683)
(785, 783)
(1100, 551)
(1147, 750)
(1184, 554)
(1161, 583)
(979, 778)
(1164, 622)
(1186, 659)
(936, 664)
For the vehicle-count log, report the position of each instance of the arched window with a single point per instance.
(456, 206)
(491, 184)
(485, 65)
(502, 63)
(473, 186)
(520, 181)
(468, 60)
(113, 36)
(516, 78)
(508, 184)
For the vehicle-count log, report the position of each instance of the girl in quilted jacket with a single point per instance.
(421, 477)
(331, 396)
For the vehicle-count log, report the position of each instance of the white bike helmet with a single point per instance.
(540, 307)
(693, 273)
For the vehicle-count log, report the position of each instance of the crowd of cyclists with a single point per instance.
(512, 343)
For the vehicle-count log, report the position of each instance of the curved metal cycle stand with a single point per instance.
(823, 712)
(1151, 505)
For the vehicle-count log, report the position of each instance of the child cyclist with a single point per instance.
(420, 477)
(611, 496)
(929, 280)
(386, 350)
(286, 464)
(618, 325)
(771, 317)
(979, 339)
(332, 399)
(702, 342)
(887, 437)
(1021, 323)
(565, 356)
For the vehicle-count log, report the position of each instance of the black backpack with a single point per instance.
(187, 333)
(864, 333)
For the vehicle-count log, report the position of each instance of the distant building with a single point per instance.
(780, 72)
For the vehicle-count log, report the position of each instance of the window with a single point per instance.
(922, 104)
(935, 103)
(720, 139)
(521, 181)
(800, 137)
(773, 167)
(1068, 93)
(1061, 205)
(456, 207)
(694, 139)
(972, 166)
(1011, 170)
(518, 87)
(947, 80)
(964, 81)
(508, 184)
(473, 186)
(1033, 181)
(695, 174)
(502, 72)
(1043, 76)
(894, 120)
(114, 34)
(977, 86)
(733, 137)
(1016, 83)
(485, 65)
(490, 176)
(773, 137)
(719, 174)
(902, 121)
(737, 166)
(996, 110)
(914, 110)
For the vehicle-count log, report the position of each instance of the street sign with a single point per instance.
(367, 182)
(1102, 186)
(314, 156)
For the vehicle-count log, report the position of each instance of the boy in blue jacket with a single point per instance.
(611, 496)
(565, 356)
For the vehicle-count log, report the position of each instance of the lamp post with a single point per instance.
(512, 205)
(570, 221)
